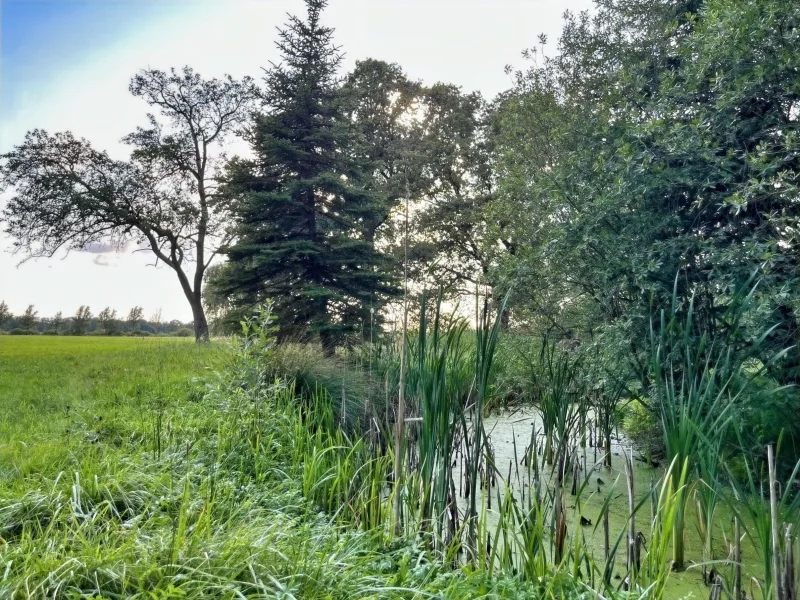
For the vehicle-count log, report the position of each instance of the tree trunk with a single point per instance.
(201, 334)
(195, 298)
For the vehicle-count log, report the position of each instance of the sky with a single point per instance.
(66, 65)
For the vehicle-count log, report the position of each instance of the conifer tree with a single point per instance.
(302, 201)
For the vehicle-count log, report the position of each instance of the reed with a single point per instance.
(692, 388)
(441, 388)
(487, 335)
(750, 503)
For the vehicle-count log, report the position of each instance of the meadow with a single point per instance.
(64, 398)
(162, 469)
(159, 468)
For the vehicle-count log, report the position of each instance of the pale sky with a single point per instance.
(66, 64)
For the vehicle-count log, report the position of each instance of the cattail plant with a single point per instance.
(441, 391)
(487, 335)
(707, 493)
(693, 396)
(763, 516)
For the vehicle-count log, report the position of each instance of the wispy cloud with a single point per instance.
(103, 248)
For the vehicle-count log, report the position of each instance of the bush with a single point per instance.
(184, 332)
(50, 332)
(140, 333)
(20, 331)
(643, 429)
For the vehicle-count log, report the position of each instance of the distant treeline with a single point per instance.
(83, 322)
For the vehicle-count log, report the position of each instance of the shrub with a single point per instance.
(140, 333)
(643, 429)
(184, 332)
(20, 331)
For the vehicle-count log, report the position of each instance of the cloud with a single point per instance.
(103, 248)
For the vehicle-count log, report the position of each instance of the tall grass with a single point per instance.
(557, 390)
(486, 339)
(441, 390)
(254, 494)
(708, 491)
(692, 385)
(250, 484)
(749, 501)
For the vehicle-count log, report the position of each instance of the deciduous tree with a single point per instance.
(108, 320)
(57, 322)
(5, 314)
(156, 320)
(28, 319)
(455, 183)
(67, 194)
(81, 320)
(134, 319)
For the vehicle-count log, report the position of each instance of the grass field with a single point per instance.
(143, 468)
(150, 469)
(68, 399)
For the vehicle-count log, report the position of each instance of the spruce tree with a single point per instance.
(300, 204)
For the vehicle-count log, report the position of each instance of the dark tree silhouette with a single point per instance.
(68, 194)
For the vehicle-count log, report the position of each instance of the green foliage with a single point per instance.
(5, 313)
(314, 372)
(556, 389)
(660, 139)
(81, 320)
(21, 331)
(693, 393)
(748, 498)
(108, 321)
(56, 323)
(642, 426)
(28, 319)
(135, 317)
(301, 202)
(452, 180)
(437, 382)
(195, 488)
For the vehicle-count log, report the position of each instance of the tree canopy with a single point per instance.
(68, 195)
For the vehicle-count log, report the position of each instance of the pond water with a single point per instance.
(509, 435)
